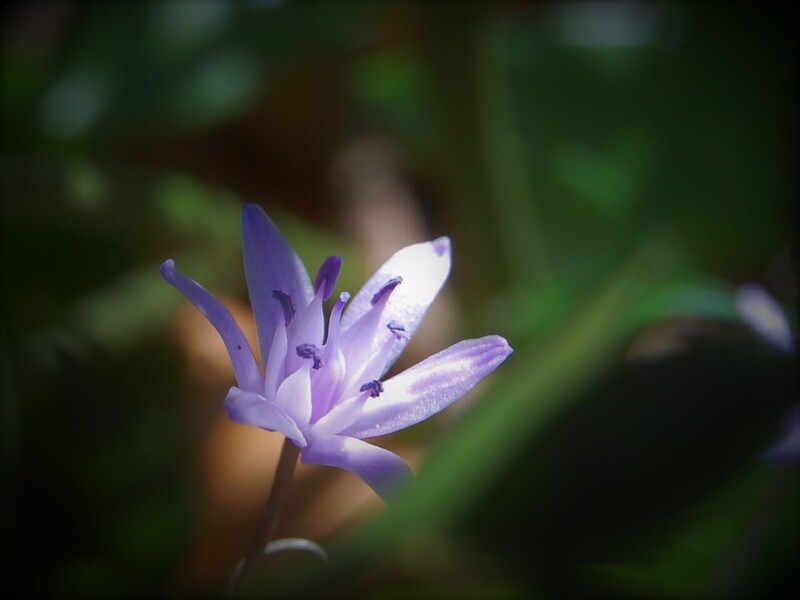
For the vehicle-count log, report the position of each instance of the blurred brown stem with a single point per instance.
(271, 513)
(277, 497)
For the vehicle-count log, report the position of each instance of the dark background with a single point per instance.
(609, 174)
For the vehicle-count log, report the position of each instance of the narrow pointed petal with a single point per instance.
(424, 269)
(308, 327)
(249, 408)
(381, 469)
(372, 368)
(294, 395)
(275, 371)
(244, 361)
(327, 383)
(358, 341)
(430, 386)
(341, 416)
(270, 264)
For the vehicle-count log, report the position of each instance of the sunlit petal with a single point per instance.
(381, 469)
(294, 395)
(424, 269)
(270, 264)
(249, 408)
(244, 362)
(275, 370)
(430, 386)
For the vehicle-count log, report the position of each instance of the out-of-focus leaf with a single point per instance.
(391, 86)
(121, 69)
(129, 223)
(703, 297)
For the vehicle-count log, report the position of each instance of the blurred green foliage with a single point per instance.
(609, 173)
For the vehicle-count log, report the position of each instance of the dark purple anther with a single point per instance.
(386, 289)
(286, 304)
(375, 388)
(310, 351)
(396, 328)
(327, 276)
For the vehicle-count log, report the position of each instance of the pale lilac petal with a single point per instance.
(327, 383)
(424, 269)
(307, 327)
(341, 416)
(357, 341)
(765, 316)
(249, 408)
(244, 361)
(370, 369)
(381, 469)
(430, 386)
(270, 264)
(294, 395)
(275, 371)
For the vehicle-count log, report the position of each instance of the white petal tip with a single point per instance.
(503, 344)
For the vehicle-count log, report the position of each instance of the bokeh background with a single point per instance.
(609, 174)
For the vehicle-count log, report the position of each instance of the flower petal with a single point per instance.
(327, 383)
(358, 341)
(249, 408)
(270, 264)
(341, 416)
(430, 386)
(307, 327)
(244, 361)
(381, 469)
(424, 269)
(275, 370)
(761, 312)
(294, 395)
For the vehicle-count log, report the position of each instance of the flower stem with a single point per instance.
(277, 496)
(268, 522)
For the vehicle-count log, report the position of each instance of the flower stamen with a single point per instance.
(286, 304)
(386, 289)
(374, 387)
(312, 352)
(397, 329)
(327, 276)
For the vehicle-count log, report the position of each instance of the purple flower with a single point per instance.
(324, 389)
